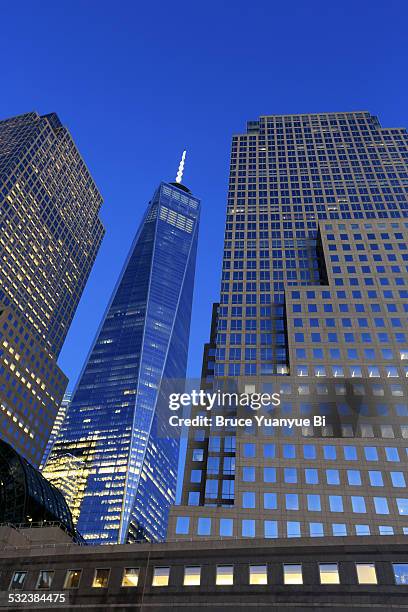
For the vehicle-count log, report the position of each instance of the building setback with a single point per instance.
(50, 234)
(179, 576)
(115, 450)
(313, 306)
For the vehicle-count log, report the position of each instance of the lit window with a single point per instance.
(366, 573)
(400, 573)
(292, 573)
(258, 574)
(18, 579)
(225, 575)
(192, 576)
(101, 578)
(45, 578)
(161, 576)
(72, 579)
(329, 573)
(130, 577)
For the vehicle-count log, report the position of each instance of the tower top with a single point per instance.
(181, 168)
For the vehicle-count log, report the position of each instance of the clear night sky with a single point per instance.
(136, 82)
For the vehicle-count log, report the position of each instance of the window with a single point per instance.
(192, 576)
(248, 474)
(258, 574)
(72, 578)
(249, 450)
(376, 479)
(248, 528)
(398, 479)
(339, 529)
(292, 573)
(358, 504)
(182, 525)
(313, 503)
(270, 501)
(402, 505)
(391, 454)
(311, 476)
(225, 575)
(316, 530)
(271, 529)
(329, 573)
(293, 529)
(292, 501)
(101, 578)
(336, 503)
(371, 453)
(289, 451)
(204, 526)
(269, 451)
(130, 577)
(269, 474)
(226, 527)
(354, 477)
(400, 573)
(161, 576)
(333, 477)
(45, 578)
(350, 453)
(248, 499)
(366, 573)
(290, 475)
(18, 579)
(381, 505)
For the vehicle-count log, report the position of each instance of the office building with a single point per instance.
(115, 444)
(313, 307)
(59, 419)
(215, 575)
(50, 234)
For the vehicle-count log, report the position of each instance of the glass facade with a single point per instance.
(313, 306)
(50, 235)
(125, 456)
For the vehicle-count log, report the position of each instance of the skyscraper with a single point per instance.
(313, 307)
(115, 443)
(50, 234)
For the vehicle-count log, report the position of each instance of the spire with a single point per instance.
(181, 168)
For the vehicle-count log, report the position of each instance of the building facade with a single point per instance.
(42, 565)
(59, 419)
(313, 307)
(50, 234)
(115, 443)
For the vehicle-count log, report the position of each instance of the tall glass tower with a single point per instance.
(314, 307)
(114, 444)
(50, 233)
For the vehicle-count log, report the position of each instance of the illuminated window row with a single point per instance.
(256, 575)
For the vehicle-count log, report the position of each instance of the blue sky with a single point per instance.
(136, 82)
